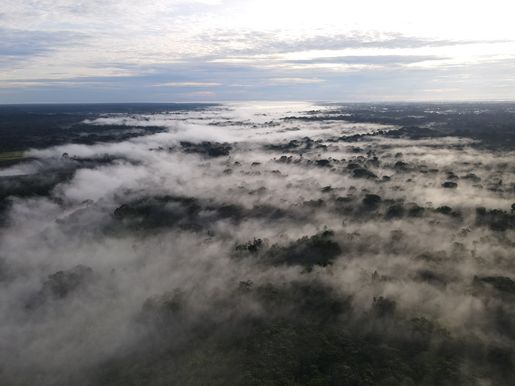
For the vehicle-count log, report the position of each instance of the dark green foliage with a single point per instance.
(472, 177)
(4, 208)
(363, 173)
(33, 185)
(324, 163)
(209, 149)
(314, 203)
(401, 166)
(285, 160)
(252, 247)
(448, 211)
(185, 212)
(383, 307)
(504, 319)
(371, 201)
(38, 126)
(502, 357)
(163, 309)
(298, 145)
(346, 199)
(305, 336)
(430, 277)
(493, 126)
(308, 252)
(413, 132)
(61, 284)
(433, 256)
(415, 211)
(301, 353)
(395, 211)
(500, 283)
(161, 211)
(452, 177)
(373, 162)
(319, 249)
(496, 219)
(449, 185)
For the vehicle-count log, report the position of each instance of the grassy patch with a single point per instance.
(9, 157)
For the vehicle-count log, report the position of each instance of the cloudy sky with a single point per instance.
(220, 50)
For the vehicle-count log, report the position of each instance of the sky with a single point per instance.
(55, 51)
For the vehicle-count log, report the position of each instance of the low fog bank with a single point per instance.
(259, 244)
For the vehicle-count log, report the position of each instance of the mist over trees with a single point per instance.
(279, 244)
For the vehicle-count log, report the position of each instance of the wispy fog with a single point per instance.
(250, 196)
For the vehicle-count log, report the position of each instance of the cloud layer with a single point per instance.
(119, 50)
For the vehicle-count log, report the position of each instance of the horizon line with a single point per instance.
(401, 101)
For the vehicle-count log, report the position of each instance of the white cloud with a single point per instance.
(188, 84)
(296, 80)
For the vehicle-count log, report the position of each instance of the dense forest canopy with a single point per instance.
(257, 244)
